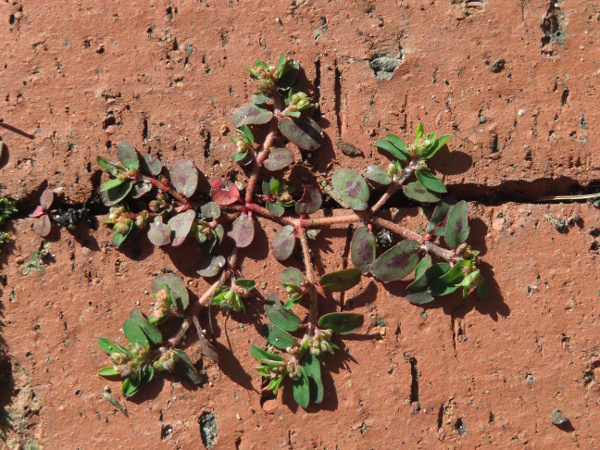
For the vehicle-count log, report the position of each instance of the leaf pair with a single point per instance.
(174, 232)
(451, 221)
(43, 225)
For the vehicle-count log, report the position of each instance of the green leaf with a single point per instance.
(134, 333)
(312, 367)
(152, 333)
(439, 144)
(275, 208)
(175, 286)
(362, 248)
(107, 346)
(301, 388)
(310, 202)
(251, 114)
(422, 266)
(132, 386)
(392, 149)
(114, 195)
(291, 277)
(341, 280)
(245, 284)
(275, 383)
(288, 75)
(109, 166)
(417, 191)
(397, 262)
(439, 214)
(112, 183)
(247, 133)
(419, 132)
(303, 131)
(398, 143)
(352, 188)
(482, 289)
(186, 369)
(211, 266)
(450, 281)
(128, 156)
(457, 225)
(283, 318)
(417, 292)
(277, 337)
(377, 174)
(430, 181)
(108, 371)
(264, 356)
(118, 239)
(342, 323)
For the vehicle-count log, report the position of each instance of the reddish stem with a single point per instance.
(258, 162)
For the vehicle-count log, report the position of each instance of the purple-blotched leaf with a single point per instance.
(184, 177)
(291, 276)
(150, 166)
(211, 266)
(175, 285)
(43, 225)
(128, 156)
(46, 199)
(211, 210)
(279, 159)
(283, 243)
(362, 248)
(303, 131)
(352, 188)
(113, 196)
(283, 318)
(140, 189)
(251, 114)
(159, 233)
(181, 224)
(420, 193)
(397, 262)
(224, 192)
(341, 323)
(310, 202)
(439, 215)
(457, 225)
(378, 175)
(243, 231)
(341, 280)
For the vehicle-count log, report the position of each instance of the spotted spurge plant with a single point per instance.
(162, 203)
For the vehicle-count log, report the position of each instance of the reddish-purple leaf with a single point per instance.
(150, 165)
(224, 192)
(251, 114)
(159, 233)
(181, 224)
(46, 199)
(352, 188)
(418, 192)
(457, 225)
(43, 225)
(283, 243)
(211, 266)
(184, 177)
(362, 248)
(397, 262)
(243, 231)
(38, 212)
(303, 131)
(279, 159)
(310, 201)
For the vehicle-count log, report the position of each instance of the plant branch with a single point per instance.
(408, 171)
(313, 314)
(266, 148)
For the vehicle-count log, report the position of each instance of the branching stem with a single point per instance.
(313, 314)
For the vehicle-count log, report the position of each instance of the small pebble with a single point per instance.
(558, 418)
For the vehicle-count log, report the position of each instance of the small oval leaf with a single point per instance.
(291, 277)
(283, 243)
(312, 367)
(128, 156)
(159, 233)
(277, 337)
(184, 177)
(46, 199)
(303, 131)
(397, 262)
(457, 225)
(242, 232)
(342, 323)
(150, 166)
(352, 188)
(422, 266)
(175, 285)
(210, 210)
(431, 182)
(134, 333)
(140, 189)
(417, 292)
(377, 174)
(310, 202)
(283, 318)
(278, 159)
(180, 225)
(392, 149)
(418, 192)
(43, 226)
(251, 114)
(362, 248)
(439, 214)
(224, 192)
(341, 280)
(211, 266)
(117, 194)
(152, 333)
(263, 356)
(185, 369)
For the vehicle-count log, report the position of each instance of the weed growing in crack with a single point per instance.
(163, 203)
